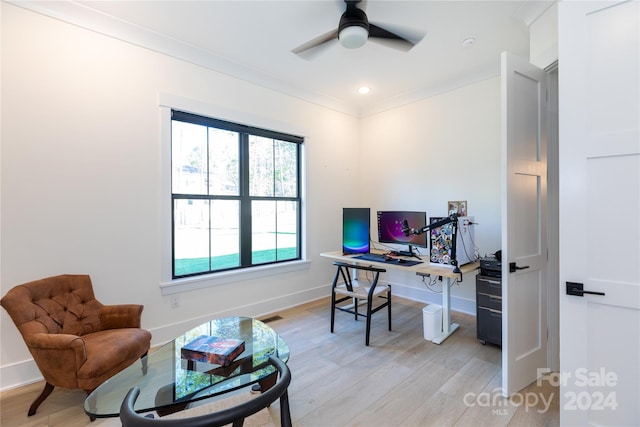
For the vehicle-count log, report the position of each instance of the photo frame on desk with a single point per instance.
(457, 206)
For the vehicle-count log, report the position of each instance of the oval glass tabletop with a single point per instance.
(168, 383)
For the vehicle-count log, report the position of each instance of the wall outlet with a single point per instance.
(175, 301)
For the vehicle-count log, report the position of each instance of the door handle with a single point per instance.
(513, 267)
(577, 289)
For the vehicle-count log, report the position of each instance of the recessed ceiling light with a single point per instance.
(468, 42)
(364, 90)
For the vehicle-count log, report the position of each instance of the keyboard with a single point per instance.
(373, 257)
(383, 258)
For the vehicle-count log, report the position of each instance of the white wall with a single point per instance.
(543, 38)
(422, 155)
(81, 173)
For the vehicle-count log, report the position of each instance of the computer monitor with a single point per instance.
(356, 223)
(390, 224)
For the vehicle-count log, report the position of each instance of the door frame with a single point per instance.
(553, 220)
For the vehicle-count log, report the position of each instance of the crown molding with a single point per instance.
(99, 22)
(84, 16)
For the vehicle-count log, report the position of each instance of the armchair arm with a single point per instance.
(45, 341)
(120, 316)
(58, 356)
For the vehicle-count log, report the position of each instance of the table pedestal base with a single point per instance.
(443, 336)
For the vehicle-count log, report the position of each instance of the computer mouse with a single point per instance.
(401, 261)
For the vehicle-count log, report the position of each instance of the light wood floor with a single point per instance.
(399, 380)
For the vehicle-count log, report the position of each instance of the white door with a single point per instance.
(524, 223)
(599, 212)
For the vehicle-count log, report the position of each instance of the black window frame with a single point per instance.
(244, 198)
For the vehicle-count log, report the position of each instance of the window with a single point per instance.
(235, 195)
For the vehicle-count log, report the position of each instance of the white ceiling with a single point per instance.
(252, 40)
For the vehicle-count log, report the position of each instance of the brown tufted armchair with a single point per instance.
(76, 341)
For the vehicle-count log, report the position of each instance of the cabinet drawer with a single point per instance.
(489, 325)
(489, 301)
(488, 285)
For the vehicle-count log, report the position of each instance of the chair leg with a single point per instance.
(389, 307)
(285, 413)
(333, 309)
(48, 388)
(333, 296)
(368, 327)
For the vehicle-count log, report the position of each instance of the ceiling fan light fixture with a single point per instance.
(354, 30)
(353, 37)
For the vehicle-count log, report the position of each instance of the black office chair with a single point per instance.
(235, 414)
(356, 290)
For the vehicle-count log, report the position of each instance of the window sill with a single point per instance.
(200, 282)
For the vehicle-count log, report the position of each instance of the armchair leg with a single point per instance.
(92, 418)
(144, 362)
(48, 388)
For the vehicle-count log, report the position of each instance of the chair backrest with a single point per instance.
(344, 268)
(62, 304)
(130, 418)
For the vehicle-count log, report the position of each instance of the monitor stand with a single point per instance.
(408, 253)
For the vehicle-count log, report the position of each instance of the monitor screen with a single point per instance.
(355, 230)
(390, 227)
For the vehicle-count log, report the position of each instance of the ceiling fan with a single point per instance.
(354, 29)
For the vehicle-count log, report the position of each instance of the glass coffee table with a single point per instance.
(169, 383)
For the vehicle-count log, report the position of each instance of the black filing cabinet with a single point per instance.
(489, 309)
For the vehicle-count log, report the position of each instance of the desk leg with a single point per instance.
(448, 328)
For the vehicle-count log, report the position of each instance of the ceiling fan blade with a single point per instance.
(318, 41)
(355, 17)
(391, 39)
(315, 52)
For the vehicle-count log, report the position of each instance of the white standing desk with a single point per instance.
(422, 269)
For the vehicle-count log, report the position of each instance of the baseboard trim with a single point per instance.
(463, 305)
(19, 374)
(26, 372)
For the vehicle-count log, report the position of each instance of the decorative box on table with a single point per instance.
(215, 350)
